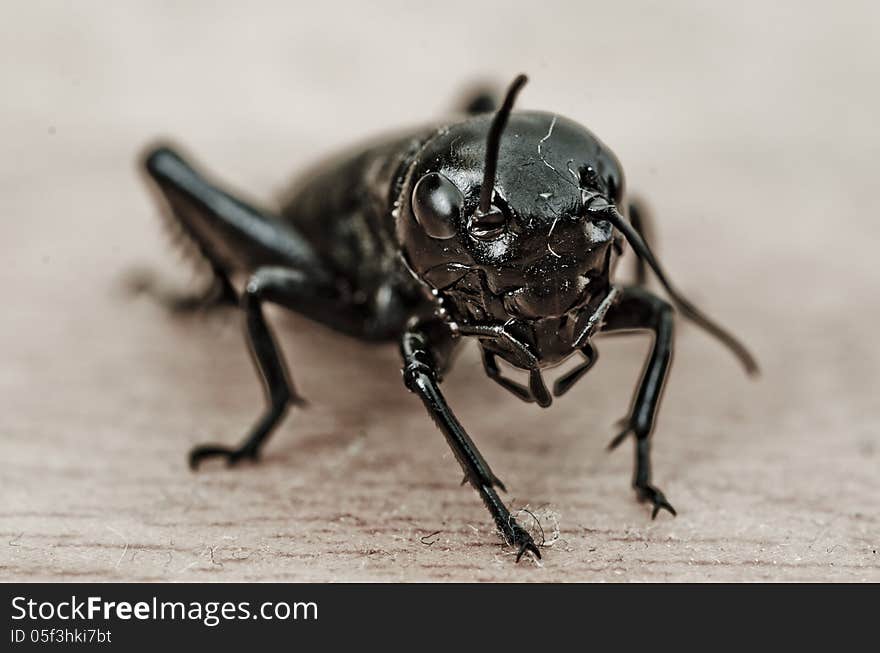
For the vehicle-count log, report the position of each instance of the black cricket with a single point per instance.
(503, 226)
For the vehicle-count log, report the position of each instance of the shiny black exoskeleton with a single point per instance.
(501, 226)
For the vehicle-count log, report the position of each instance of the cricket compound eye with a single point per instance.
(437, 204)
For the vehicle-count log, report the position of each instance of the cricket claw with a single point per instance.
(520, 538)
(531, 548)
(232, 456)
(655, 496)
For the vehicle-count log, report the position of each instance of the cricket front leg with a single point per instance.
(423, 348)
(639, 309)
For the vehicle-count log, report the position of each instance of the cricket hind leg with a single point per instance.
(284, 269)
(177, 196)
(639, 309)
(217, 227)
(218, 293)
(480, 99)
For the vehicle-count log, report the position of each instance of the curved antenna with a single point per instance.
(493, 142)
(609, 212)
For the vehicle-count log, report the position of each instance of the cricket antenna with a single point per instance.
(609, 212)
(493, 143)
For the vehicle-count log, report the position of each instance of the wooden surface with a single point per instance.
(751, 129)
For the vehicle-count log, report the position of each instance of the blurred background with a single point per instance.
(751, 128)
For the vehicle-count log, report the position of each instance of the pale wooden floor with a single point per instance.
(752, 131)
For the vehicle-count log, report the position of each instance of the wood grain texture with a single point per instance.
(751, 129)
